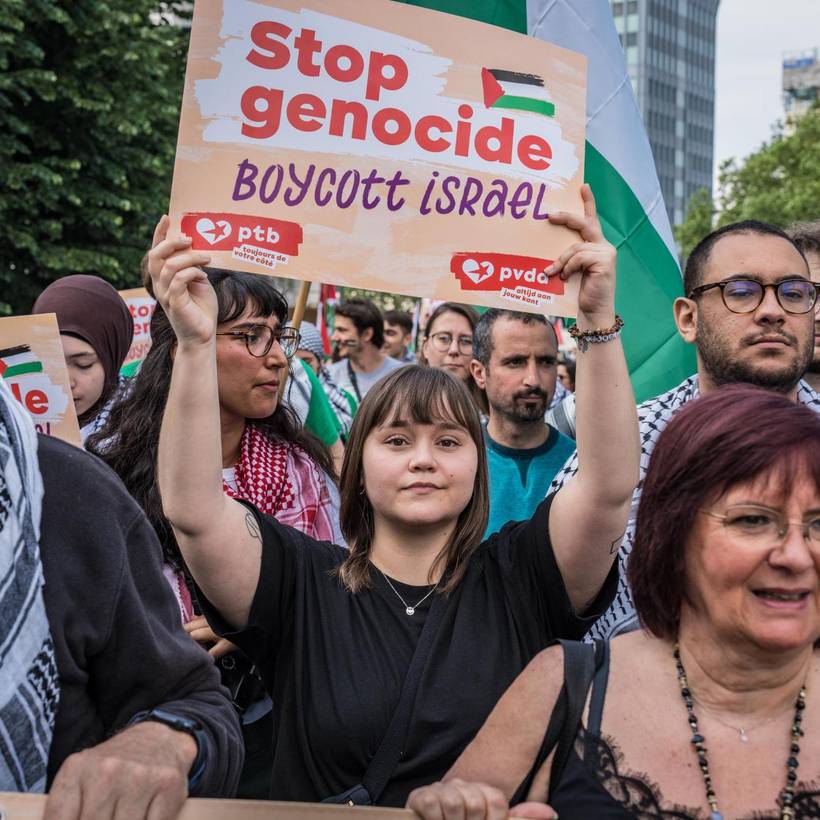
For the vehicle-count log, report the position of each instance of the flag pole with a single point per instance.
(301, 304)
(298, 315)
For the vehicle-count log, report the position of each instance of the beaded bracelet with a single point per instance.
(585, 338)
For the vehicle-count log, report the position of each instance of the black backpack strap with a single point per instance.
(354, 382)
(579, 669)
(384, 762)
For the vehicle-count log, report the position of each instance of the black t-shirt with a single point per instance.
(335, 662)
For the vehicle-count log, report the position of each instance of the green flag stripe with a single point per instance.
(525, 104)
(648, 283)
(511, 14)
(22, 369)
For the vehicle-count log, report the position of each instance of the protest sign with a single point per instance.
(376, 145)
(141, 307)
(14, 806)
(33, 365)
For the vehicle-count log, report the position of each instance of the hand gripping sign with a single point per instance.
(373, 144)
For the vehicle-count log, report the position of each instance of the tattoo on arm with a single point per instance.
(253, 526)
(613, 547)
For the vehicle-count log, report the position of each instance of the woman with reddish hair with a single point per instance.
(715, 705)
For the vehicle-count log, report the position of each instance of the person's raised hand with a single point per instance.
(141, 772)
(181, 286)
(593, 258)
(199, 629)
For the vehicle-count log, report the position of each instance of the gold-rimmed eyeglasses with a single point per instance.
(763, 525)
(442, 341)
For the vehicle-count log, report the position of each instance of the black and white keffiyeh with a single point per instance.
(29, 685)
(653, 416)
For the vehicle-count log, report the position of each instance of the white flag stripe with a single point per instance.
(614, 124)
(19, 358)
(533, 92)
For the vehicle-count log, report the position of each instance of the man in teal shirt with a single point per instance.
(515, 358)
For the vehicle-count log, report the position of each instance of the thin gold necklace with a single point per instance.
(742, 731)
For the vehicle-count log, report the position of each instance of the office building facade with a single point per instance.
(801, 82)
(670, 55)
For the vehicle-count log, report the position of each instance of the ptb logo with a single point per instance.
(224, 232)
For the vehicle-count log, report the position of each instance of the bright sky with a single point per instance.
(751, 38)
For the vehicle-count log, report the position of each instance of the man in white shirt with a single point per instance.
(358, 335)
(749, 311)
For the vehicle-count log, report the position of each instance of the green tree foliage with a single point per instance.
(779, 183)
(89, 107)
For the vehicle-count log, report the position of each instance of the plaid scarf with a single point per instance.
(653, 416)
(29, 683)
(280, 479)
(338, 400)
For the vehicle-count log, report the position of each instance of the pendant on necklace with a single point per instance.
(744, 738)
(410, 610)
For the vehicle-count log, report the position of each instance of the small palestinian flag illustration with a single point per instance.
(18, 361)
(520, 92)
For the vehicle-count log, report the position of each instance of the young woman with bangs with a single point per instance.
(383, 661)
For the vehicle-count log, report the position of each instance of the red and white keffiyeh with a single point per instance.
(280, 479)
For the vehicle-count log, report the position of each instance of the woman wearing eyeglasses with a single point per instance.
(713, 708)
(448, 345)
(267, 459)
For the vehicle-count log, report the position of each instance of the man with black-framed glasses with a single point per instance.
(749, 309)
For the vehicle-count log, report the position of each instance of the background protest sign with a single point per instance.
(376, 145)
(141, 307)
(33, 365)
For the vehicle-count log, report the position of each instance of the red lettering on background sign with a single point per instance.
(35, 401)
(224, 232)
(494, 271)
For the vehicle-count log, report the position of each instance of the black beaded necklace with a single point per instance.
(698, 741)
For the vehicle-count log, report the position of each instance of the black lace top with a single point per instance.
(595, 783)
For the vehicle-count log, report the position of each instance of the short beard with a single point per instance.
(532, 414)
(724, 369)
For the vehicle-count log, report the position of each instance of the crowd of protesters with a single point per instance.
(452, 566)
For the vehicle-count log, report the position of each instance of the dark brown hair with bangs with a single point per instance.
(420, 395)
(737, 435)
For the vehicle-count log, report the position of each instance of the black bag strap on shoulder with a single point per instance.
(387, 757)
(354, 382)
(580, 663)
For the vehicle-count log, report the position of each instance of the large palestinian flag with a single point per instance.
(618, 166)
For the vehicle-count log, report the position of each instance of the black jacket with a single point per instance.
(117, 633)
